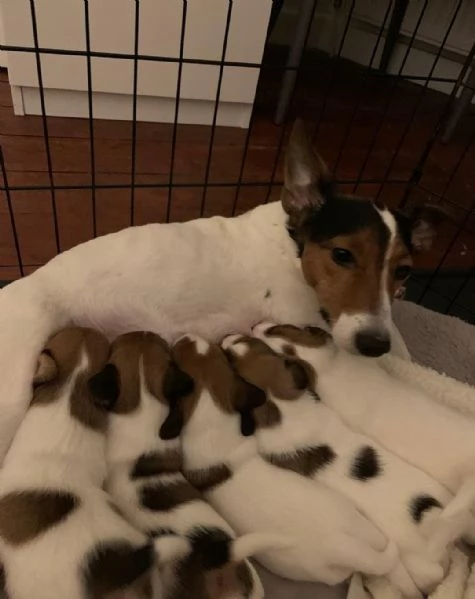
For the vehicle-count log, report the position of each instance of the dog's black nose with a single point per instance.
(373, 343)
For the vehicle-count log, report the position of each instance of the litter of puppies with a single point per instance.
(148, 471)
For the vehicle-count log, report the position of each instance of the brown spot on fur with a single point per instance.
(128, 352)
(231, 579)
(157, 462)
(162, 497)
(116, 566)
(65, 349)
(206, 479)
(26, 514)
(283, 377)
(268, 415)
(306, 461)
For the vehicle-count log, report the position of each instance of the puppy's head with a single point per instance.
(138, 362)
(211, 373)
(282, 376)
(71, 357)
(355, 254)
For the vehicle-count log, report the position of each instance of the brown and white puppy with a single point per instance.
(59, 534)
(327, 537)
(145, 479)
(308, 437)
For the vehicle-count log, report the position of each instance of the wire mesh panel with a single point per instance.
(385, 87)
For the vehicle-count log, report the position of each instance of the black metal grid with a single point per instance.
(426, 284)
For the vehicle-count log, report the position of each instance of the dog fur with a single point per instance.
(145, 476)
(59, 534)
(328, 538)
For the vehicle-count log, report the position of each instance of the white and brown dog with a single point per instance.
(296, 431)
(146, 481)
(60, 536)
(316, 254)
(328, 537)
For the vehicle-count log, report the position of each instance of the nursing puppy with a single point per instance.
(330, 538)
(400, 416)
(59, 534)
(306, 436)
(323, 256)
(145, 476)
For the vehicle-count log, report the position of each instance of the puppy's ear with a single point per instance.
(299, 374)
(248, 423)
(176, 383)
(46, 369)
(105, 387)
(424, 224)
(247, 396)
(173, 424)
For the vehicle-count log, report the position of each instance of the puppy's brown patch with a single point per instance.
(157, 462)
(268, 415)
(284, 377)
(206, 479)
(116, 566)
(307, 461)
(64, 350)
(25, 515)
(129, 352)
(163, 497)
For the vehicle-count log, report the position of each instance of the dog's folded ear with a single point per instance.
(176, 383)
(298, 372)
(105, 387)
(247, 396)
(46, 369)
(306, 178)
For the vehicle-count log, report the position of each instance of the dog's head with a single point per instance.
(355, 253)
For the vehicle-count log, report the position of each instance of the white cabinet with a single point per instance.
(61, 25)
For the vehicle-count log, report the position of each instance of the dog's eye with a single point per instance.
(343, 257)
(402, 272)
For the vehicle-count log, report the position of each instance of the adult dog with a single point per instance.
(315, 254)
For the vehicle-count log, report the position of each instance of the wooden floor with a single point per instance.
(364, 151)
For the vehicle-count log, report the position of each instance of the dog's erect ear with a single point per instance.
(105, 387)
(176, 383)
(424, 222)
(247, 396)
(306, 175)
(173, 424)
(46, 369)
(299, 374)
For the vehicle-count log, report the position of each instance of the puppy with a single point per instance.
(400, 416)
(60, 536)
(145, 476)
(306, 436)
(329, 538)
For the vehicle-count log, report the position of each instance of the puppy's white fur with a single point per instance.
(386, 498)
(55, 452)
(400, 416)
(331, 539)
(133, 435)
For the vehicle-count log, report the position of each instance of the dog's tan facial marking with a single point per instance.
(26, 514)
(283, 377)
(399, 267)
(206, 479)
(64, 353)
(306, 462)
